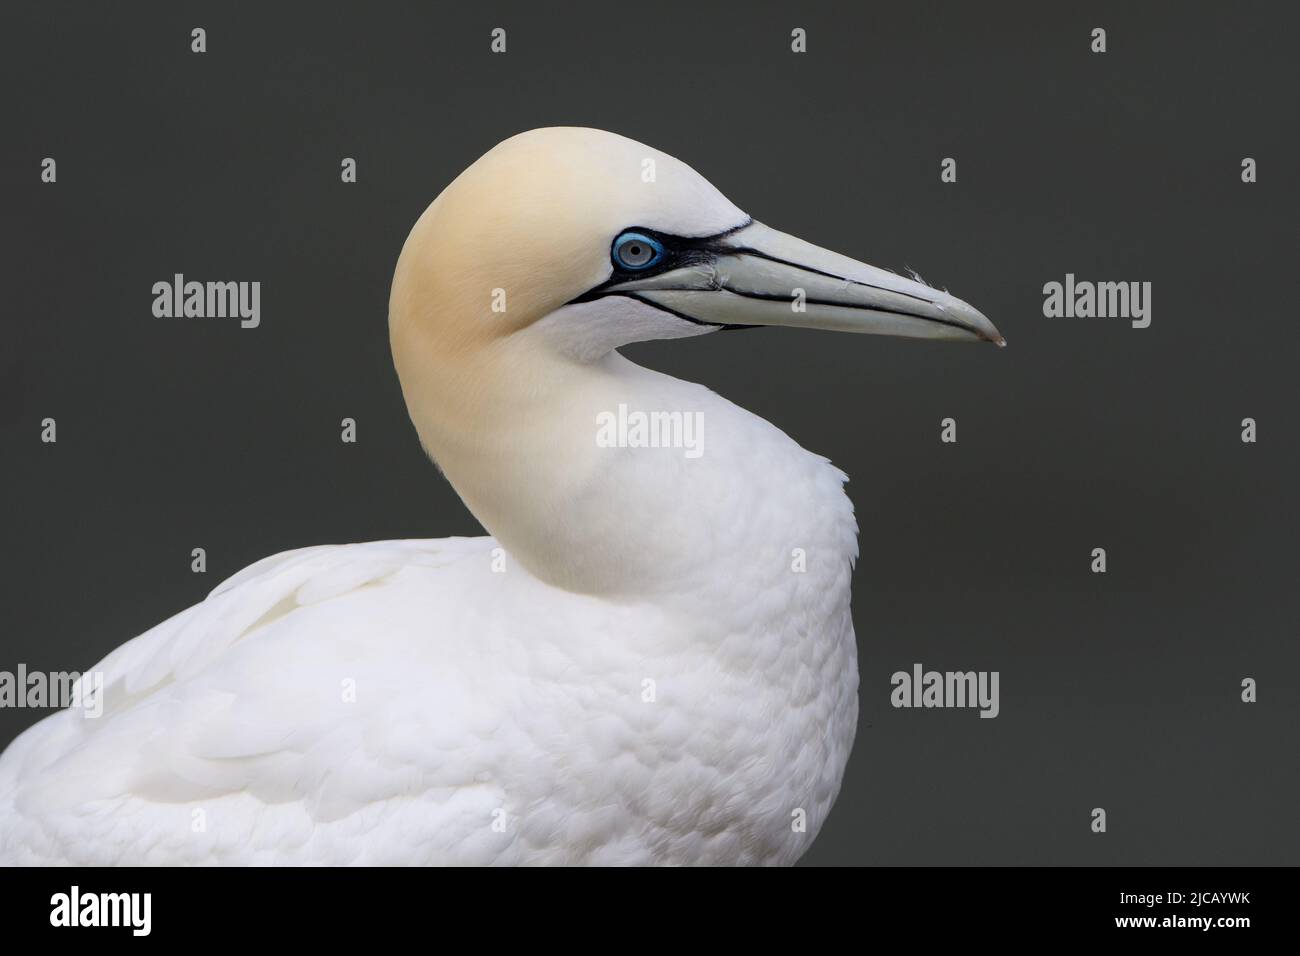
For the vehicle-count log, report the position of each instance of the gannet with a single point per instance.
(651, 660)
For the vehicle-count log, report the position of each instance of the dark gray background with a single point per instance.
(1118, 690)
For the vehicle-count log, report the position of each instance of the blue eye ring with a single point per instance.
(636, 252)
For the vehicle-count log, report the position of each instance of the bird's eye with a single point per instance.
(632, 250)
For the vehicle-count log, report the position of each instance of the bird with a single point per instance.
(649, 659)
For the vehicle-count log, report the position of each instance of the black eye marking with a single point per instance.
(677, 252)
(673, 252)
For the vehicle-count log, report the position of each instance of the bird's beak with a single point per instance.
(758, 276)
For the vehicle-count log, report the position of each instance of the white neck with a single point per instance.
(515, 431)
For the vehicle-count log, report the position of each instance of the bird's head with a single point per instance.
(592, 241)
(514, 290)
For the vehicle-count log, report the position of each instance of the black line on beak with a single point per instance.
(747, 251)
(673, 312)
(858, 308)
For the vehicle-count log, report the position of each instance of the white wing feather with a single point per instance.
(206, 750)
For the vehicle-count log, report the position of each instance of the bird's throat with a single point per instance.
(609, 479)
